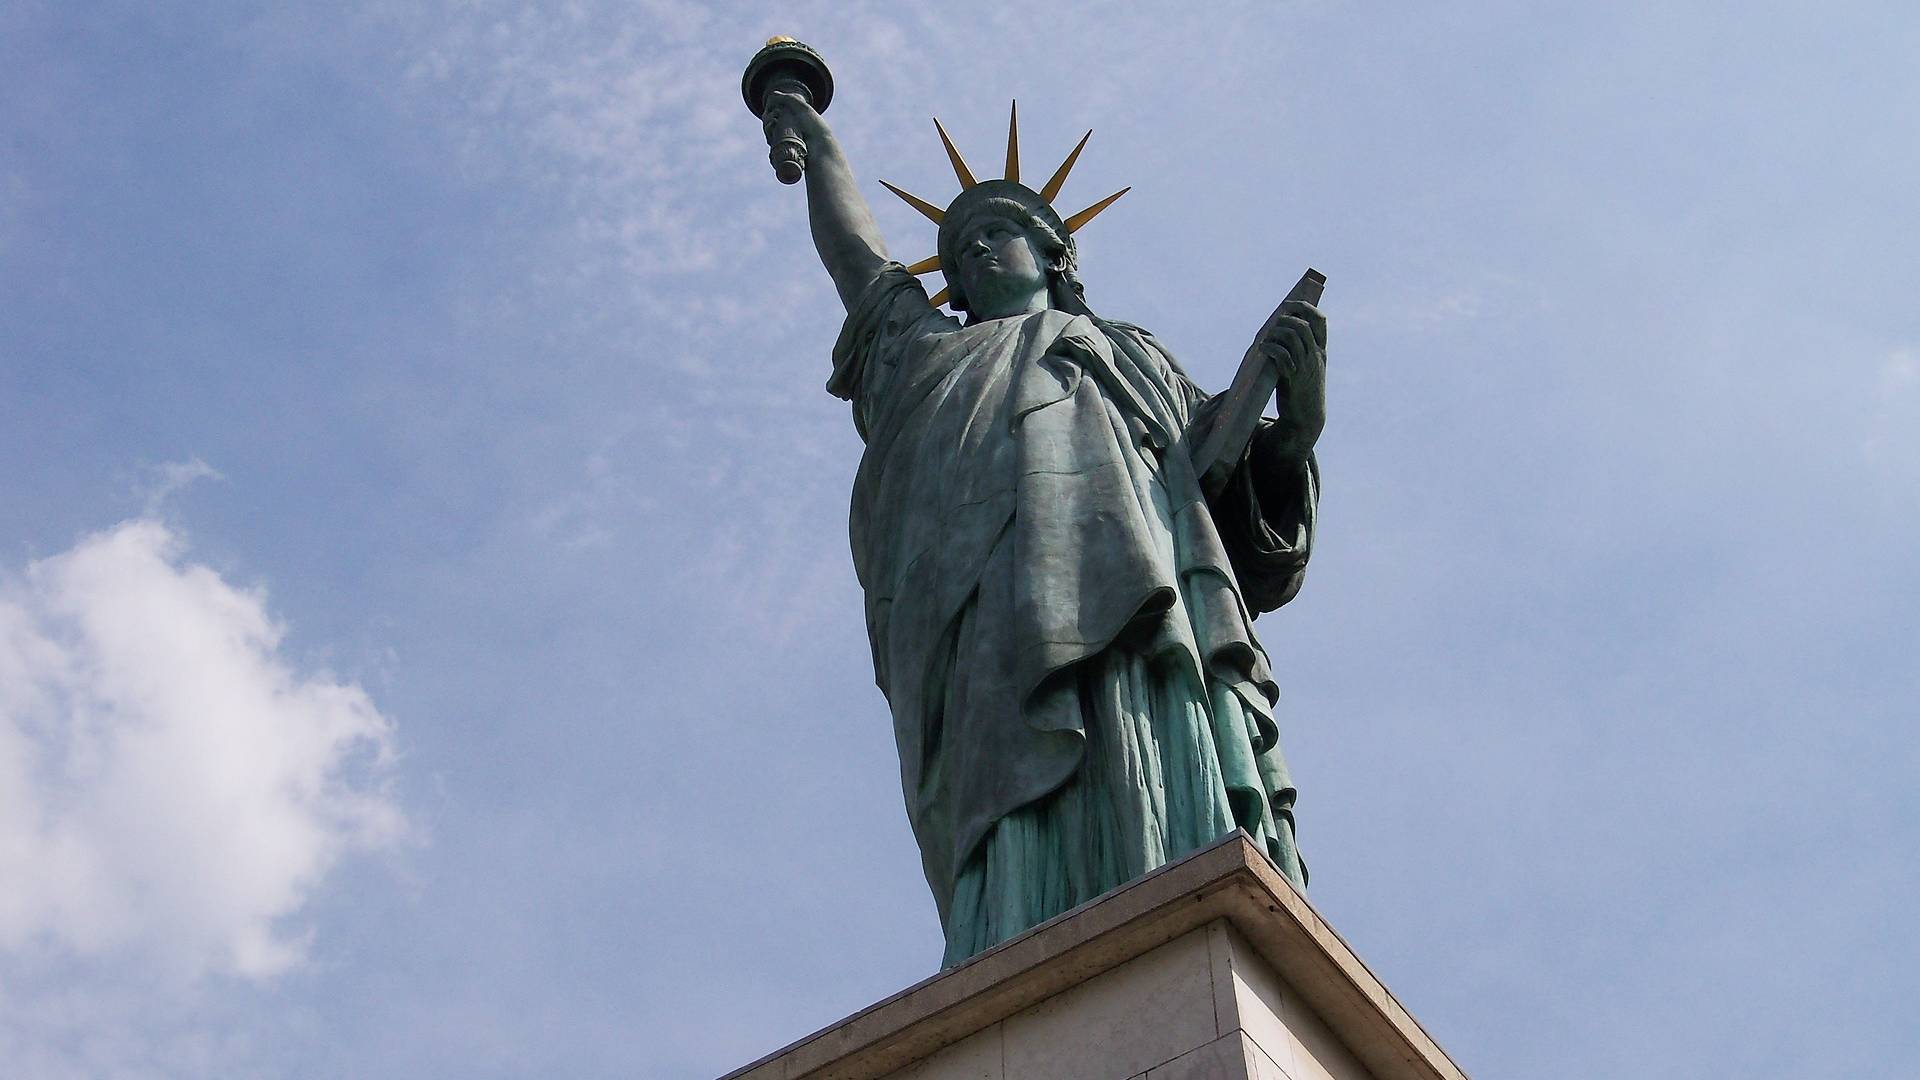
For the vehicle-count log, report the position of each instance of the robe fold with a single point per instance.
(1060, 620)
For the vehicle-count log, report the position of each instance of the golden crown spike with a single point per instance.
(960, 169)
(1013, 144)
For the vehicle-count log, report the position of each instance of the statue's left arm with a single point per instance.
(1267, 510)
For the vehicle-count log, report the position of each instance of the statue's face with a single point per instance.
(1002, 271)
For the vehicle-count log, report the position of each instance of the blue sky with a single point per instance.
(428, 643)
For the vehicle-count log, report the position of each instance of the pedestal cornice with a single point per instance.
(1230, 880)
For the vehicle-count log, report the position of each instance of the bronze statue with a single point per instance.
(1062, 539)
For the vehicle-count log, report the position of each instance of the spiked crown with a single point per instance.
(975, 192)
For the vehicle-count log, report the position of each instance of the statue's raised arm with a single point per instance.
(788, 86)
(843, 228)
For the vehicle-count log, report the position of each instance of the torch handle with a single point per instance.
(787, 150)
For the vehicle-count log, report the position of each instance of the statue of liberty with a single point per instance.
(1060, 586)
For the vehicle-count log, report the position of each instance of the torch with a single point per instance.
(786, 65)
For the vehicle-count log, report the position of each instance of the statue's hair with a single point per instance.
(1056, 246)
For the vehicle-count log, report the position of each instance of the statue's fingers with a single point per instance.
(1315, 319)
(1301, 338)
(782, 107)
(1280, 355)
(1280, 358)
(1292, 336)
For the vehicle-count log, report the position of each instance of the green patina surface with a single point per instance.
(1061, 614)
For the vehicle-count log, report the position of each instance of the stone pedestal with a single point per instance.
(1211, 967)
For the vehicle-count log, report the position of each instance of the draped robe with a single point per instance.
(1061, 621)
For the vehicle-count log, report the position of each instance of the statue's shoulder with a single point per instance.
(1151, 345)
(894, 304)
(1135, 328)
(1138, 333)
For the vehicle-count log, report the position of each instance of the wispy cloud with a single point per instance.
(614, 110)
(1893, 432)
(13, 204)
(161, 482)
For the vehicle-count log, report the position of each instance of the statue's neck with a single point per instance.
(1034, 303)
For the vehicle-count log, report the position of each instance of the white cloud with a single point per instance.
(172, 790)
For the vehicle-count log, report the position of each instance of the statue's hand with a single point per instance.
(1294, 341)
(789, 112)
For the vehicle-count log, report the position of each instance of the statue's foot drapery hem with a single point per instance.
(1167, 771)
